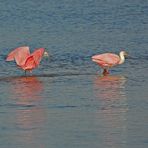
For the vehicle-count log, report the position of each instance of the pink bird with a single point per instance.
(24, 59)
(108, 60)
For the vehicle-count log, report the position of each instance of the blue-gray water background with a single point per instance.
(66, 103)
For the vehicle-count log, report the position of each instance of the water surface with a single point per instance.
(66, 102)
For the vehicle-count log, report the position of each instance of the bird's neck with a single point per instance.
(122, 58)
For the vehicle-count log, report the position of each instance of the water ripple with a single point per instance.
(11, 105)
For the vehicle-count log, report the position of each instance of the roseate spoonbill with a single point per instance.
(24, 59)
(108, 60)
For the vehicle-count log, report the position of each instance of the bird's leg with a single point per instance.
(105, 72)
(25, 73)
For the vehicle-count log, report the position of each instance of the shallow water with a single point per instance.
(66, 102)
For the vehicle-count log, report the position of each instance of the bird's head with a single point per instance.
(45, 54)
(124, 53)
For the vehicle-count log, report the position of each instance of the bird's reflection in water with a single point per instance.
(27, 89)
(111, 98)
(30, 115)
(110, 87)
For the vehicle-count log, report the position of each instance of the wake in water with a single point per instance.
(43, 75)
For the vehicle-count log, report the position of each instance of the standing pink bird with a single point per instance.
(24, 59)
(108, 60)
